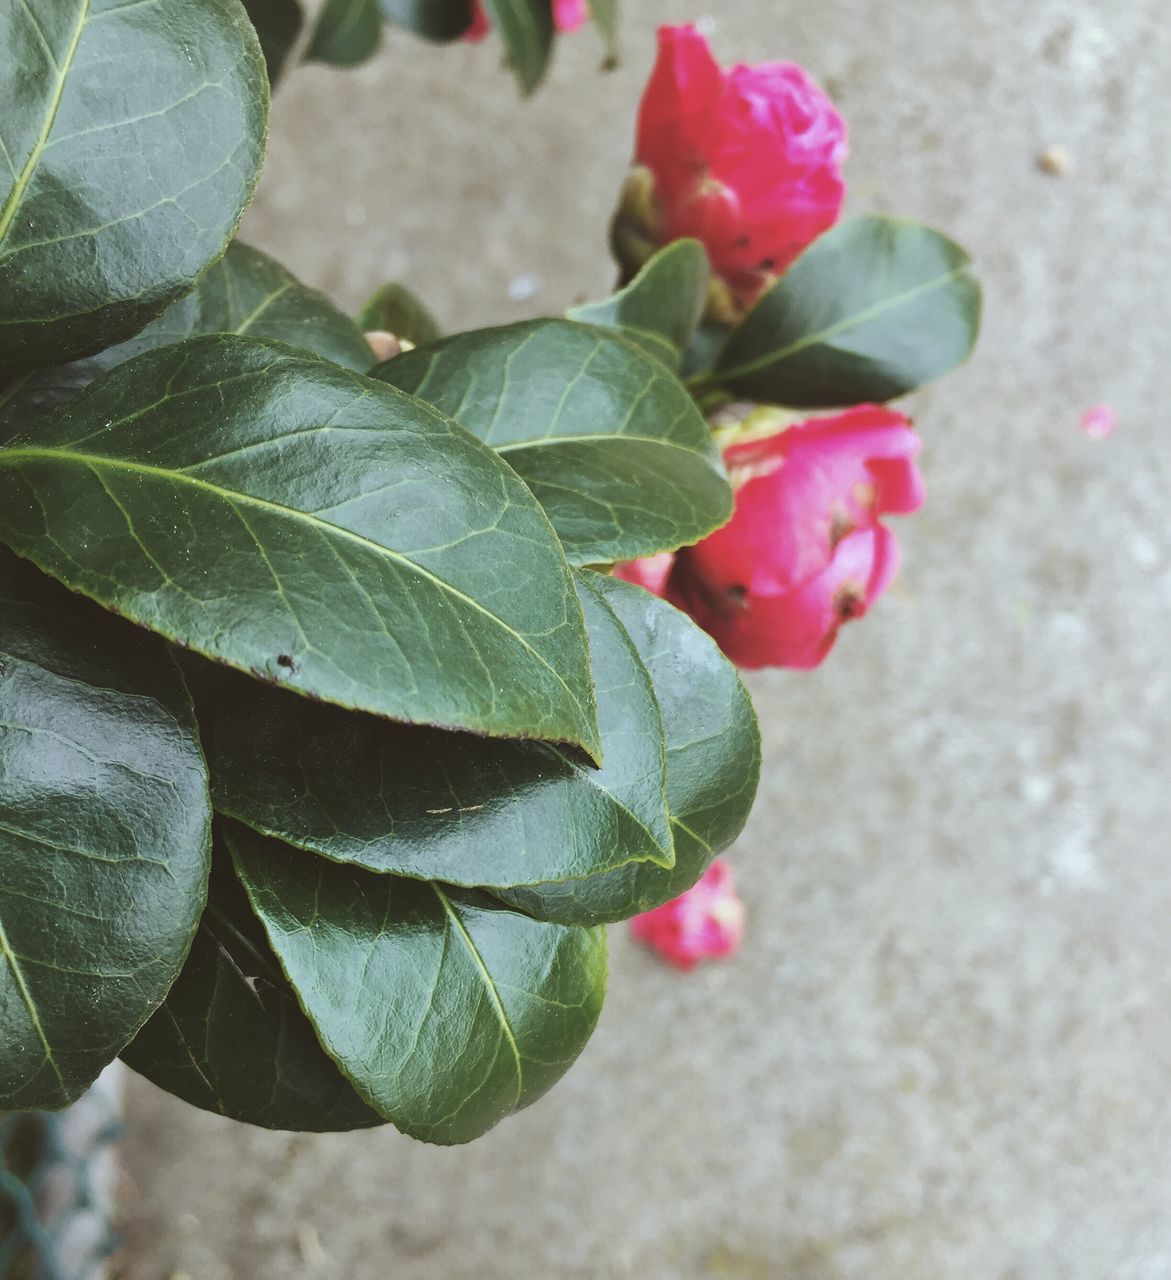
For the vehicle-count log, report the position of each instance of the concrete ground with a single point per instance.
(945, 1050)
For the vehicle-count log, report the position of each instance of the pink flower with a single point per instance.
(706, 921)
(568, 15)
(651, 572)
(805, 550)
(747, 159)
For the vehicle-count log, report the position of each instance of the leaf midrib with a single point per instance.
(535, 442)
(97, 461)
(16, 195)
(489, 984)
(851, 321)
(30, 1004)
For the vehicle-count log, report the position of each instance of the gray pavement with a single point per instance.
(945, 1050)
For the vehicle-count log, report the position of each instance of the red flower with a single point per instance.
(706, 921)
(748, 160)
(568, 15)
(805, 550)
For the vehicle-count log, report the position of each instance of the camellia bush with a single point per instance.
(336, 716)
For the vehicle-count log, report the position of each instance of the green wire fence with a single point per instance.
(56, 1188)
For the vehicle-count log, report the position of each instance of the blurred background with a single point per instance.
(944, 1052)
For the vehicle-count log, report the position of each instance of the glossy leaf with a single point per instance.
(713, 765)
(446, 1010)
(605, 16)
(347, 32)
(278, 23)
(246, 292)
(132, 136)
(450, 806)
(661, 307)
(395, 309)
(231, 1037)
(440, 20)
(287, 517)
(526, 27)
(104, 836)
(608, 440)
(872, 309)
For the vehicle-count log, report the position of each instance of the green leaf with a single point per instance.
(713, 765)
(871, 310)
(605, 16)
(395, 309)
(703, 350)
(104, 836)
(452, 806)
(231, 1037)
(347, 32)
(132, 136)
(290, 518)
(249, 293)
(278, 23)
(246, 292)
(661, 307)
(608, 439)
(440, 20)
(526, 27)
(446, 1010)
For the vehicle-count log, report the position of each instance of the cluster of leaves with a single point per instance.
(872, 310)
(348, 32)
(325, 752)
(327, 746)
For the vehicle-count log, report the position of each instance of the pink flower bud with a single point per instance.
(384, 345)
(746, 159)
(804, 551)
(568, 15)
(704, 922)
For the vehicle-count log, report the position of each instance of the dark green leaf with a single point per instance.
(660, 308)
(293, 519)
(246, 292)
(347, 32)
(704, 348)
(104, 836)
(607, 438)
(446, 1010)
(440, 20)
(605, 16)
(278, 23)
(432, 805)
(132, 134)
(872, 309)
(395, 309)
(526, 27)
(231, 1037)
(713, 765)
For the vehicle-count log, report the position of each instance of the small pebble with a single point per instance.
(522, 288)
(309, 1244)
(1055, 161)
